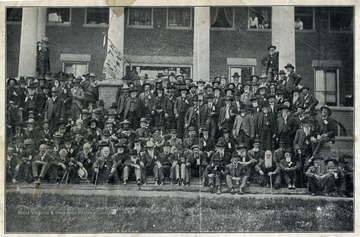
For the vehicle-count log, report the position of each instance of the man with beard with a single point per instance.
(208, 115)
(119, 159)
(269, 167)
(192, 117)
(244, 129)
(87, 158)
(143, 133)
(196, 163)
(41, 163)
(136, 165)
(271, 62)
(102, 167)
(121, 98)
(265, 127)
(192, 139)
(170, 122)
(181, 106)
(132, 108)
(289, 168)
(285, 127)
(158, 111)
(146, 102)
(149, 158)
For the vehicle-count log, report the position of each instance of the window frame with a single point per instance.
(179, 27)
(337, 70)
(139, 26)
(126, 64)
(240, 66)
(74, 62)
(313, 22)
(340, 31)
(13, 22)
(95, 25)
(259, 29)
(61, 24)
(224, 28)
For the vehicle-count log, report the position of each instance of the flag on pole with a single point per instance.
(113, 60)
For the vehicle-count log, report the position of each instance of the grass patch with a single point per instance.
(78, 213)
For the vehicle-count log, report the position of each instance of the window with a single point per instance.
(77, 68)
(152, 71)
(97, 16)
(245, 72)
(341, 18)
(222, 17)
(304, 18)
(326, 86)
(179, 18)
(259, 18)
(140, 18)
(13, 14)
(59, 15)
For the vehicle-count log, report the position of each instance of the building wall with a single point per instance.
(159, 41)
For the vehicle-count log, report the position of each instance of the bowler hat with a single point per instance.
(195, 147)
(83, 174)
(289, 65)
(11, 79)
(236, 74)
(282, 72)
(220, 144)
(271, 46)
(327, 108)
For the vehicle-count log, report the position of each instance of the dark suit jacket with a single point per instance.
(310, 102)
(293, 80)
(329, 128)
(259, 120)
(281, 128)
(181, 106)
(271, 61)
(300, 137)
(247, 125)
(234, 171)
(55, 109)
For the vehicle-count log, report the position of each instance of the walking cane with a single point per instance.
(301, 171)
(65, 173)
(271, 188)
(96, 178)
(67, 177)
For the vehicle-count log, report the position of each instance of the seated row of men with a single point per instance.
(278, 169)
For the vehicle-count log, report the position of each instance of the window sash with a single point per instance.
(140, 17)
(179, 18)
(222, 15)
(262, 13)
(54, 18)
(340, 16)
(13, 14)
(326, 86)
(97, 16)
(245, 72)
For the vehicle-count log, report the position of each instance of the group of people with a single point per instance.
(262, 129)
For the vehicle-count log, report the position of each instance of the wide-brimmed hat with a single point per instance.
(327, 108)
(220, 144)
(331, 159)
(93, 120)
(282, 72)
(83, 174)
(195, 147)
(289, 65)
(271, 46)
(11, 79)
(236, 74)
(125, 122)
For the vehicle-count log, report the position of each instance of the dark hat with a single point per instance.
(22, 80)
(188, 78)
(155, 129)
(331, 159)
(205, 128)
(305, 121)
(77, 81)
(120, 144)
(289, 65)
(270, 96)
(213, 83)
(253, 97)
(225, 130)
(236, 74)
(229, 89)
(228, 98)
(200, 82)
(159, 87)
(103, 143)
(173, 130)
(167, 143)
(101, 102)
(283, 107)
(78, 131)
(327, 108)
(210, 97)
(191, 129)
(246, 83)
(195, 98)
(288, 150)
(133, 152)
(271, 46)
(125, 122)
(30, 78)
(55, 89)
(93, 120)
(170, 86)
(67, 137)
(71, 75)
(97, 111)
(132, 89)
(171, 74)
(113, 105)
(342, 159)
(180, 75)
(282, 72)
(193, 85)
(295, 90)
(45, 121)
(92, 74)
(305, 87)
(85, 111)
(146, 84)
(220, 144)
(217, 88)
(265, 104)
(256, 140)
(241, 146)
(106, 133)
(182, 87)
(11, 79)
(280, 92)
(32, 86)
(159, 75)
(195, 146)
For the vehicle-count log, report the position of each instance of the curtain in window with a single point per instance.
(229, 15)
(214, 14)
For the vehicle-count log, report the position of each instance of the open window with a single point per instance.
(304, 18)
(222, 17)
(259, 18)
(341, 19)
(59, 16)
(97, 16)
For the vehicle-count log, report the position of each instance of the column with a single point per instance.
(201, 63)
(283, 34)
(116, 37)
(27, 58)
(41, 25)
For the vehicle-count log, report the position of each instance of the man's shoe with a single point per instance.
(162, 183)
(232, 191)
(156, 182)
(218, 191)
(312, 194)
(211, 188)
(267, 185)
(124, 182)
(14, 181)
(187, 184)
(241, 191)
(139, 182)
(289, 186)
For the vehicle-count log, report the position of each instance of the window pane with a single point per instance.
(330, 98)
(59, 15)
(304, 17)
(263, 15)
(319, 80)
(244, 72)
(179, 17)
(97, 16)
(330, 81)
(320, 96)
(14, 14)
(222, 17)
(140, 16)
(341, 18)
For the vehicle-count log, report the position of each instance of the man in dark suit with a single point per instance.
(309, 101)
(265, 127)
(181, 106)
(54, 110)
(77, 99)
(285, 127)
(293, 79)
(290, 168)
(244, 129)
(236, 172)
(150, 157)
(207, 116)
(271, 62)
(226, 116)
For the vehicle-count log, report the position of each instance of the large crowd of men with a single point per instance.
(263, 129)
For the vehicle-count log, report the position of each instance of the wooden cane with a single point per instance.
(271, 188)
(67, 177)
(96, 178)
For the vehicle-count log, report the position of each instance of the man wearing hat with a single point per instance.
(11, 90)
(245, 97)
(54, 109)
(226, 115)
(169, 115)
(296, 99)
(293, 79)
(236, 173)
(290, 168)
(265, 126)
(23, 170)
(30, 103)
(78, 97)
(281, 80)
(91, 91)
(143, 132)
(30, 132)
(174, 140)
(132, 108)
(309, 101)
(121, 99)
(208, 115)
(192, 116)
(326, 129)
(191, 139)
(136, 165)
(146, 101)
(286, 128)
(149, 157)
(11, 163)
(216, 168)
(181, 106)
(244, 129)
(158, 111)
(165, 166)
(253, 157)
(271, 62)
(236, 81)
(206, 142)
(43, 57)
(119, 159)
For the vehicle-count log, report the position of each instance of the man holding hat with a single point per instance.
(86, 157)
(271, 62)
(326, 129)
